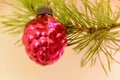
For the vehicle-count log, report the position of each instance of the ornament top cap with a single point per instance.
(44, 10)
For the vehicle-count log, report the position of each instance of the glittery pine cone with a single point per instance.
(44, 39)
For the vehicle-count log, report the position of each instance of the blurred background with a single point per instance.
(15, 64)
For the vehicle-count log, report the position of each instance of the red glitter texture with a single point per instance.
(44, 39)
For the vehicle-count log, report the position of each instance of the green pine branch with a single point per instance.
(91, 26)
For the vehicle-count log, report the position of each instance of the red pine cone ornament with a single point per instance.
(44, 38)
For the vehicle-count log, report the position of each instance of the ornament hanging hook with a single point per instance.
(45, 9)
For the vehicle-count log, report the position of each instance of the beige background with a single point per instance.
(15, 64)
